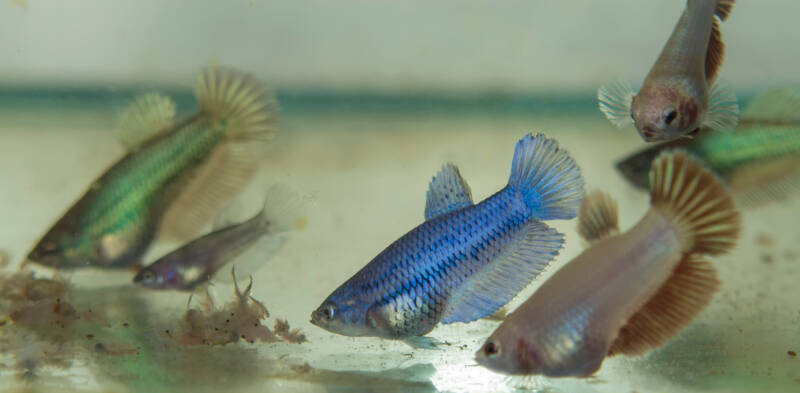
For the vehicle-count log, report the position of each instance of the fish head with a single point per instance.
(61, 250)
(507, 351)
(664, 113)
(158, 276)
(341, 316)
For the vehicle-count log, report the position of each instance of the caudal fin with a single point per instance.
(546, 177)
(697, 202)
(282, 207)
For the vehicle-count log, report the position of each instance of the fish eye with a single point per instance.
(148, 277)
(492, 349)
(670, 116)
(329, 311)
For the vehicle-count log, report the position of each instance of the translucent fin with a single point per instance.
(715, 53)
(447, 192)
(148, 115)
(280, 211)
(227, 172)
(615, 99)
(723, 110)
(248, 107)
(423, 342)
(527, 254)
(598, 218)
(778, 105)
(682, 297)
(766, 181)
(697, 202)
(546, 177)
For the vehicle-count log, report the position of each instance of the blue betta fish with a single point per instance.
(466, 260)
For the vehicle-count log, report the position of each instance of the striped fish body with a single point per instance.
(115, 221)
(407, 286)
(466, 260)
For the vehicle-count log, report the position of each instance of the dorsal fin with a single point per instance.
(447, 192)
(148, 115)
(598, 218)
(716, 47)
(526, 255)
(672, 308)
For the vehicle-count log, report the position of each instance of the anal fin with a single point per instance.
(682, 297)
(447, 192)
(598, 217)
(488, 289)
(213, 185)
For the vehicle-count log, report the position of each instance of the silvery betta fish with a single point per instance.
(196, 262)
(629, 292)
(679, 95)
(759, 161)
(176, 175)
(466, 260)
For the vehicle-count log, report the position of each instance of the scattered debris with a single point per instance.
(792, 353)
(293, 336)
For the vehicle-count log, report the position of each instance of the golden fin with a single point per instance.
(248, 112)
(239, 99)
(227, 172)
(148, 115)
(715, 53)
(598, 217)
(724, 8)
(696, 201)
(682, 297)
(766, 181)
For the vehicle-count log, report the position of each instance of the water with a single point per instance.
(371, 109)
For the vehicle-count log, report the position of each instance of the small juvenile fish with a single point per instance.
(176, 175)
(679, 95)
(198, 261)
(629, 292)
(466, 260)
(760, 160)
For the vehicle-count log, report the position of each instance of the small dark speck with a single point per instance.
(99, 347)
(792, 353)
(767, 258)
(227, 321)
(89, 336)
(125, 324)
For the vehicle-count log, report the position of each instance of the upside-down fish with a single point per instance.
(679, 94)
(760, 161)
(466, 260)
(629, 292)
(175, 176)
(196, 262)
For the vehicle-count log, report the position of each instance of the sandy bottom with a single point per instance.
(368, 175)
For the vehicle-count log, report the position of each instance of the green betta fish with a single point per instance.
(175, 177)
(760, 161)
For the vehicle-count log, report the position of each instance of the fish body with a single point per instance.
(466, 260)
(678, 95)
(196, 262)
(629, 292)
(115, 221)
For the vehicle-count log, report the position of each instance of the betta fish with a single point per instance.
(679, 94)
(759, 161)
(196, 262)
(629, 292)
(175, 176)
(466, 260)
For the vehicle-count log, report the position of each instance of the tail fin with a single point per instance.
(236, 97)
(546, 177)
(697, 202)
(282, 207)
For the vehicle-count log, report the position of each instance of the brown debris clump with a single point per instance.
(238, 320)
(283, 331)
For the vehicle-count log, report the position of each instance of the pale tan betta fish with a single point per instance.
(629, 292)
(679, 95)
